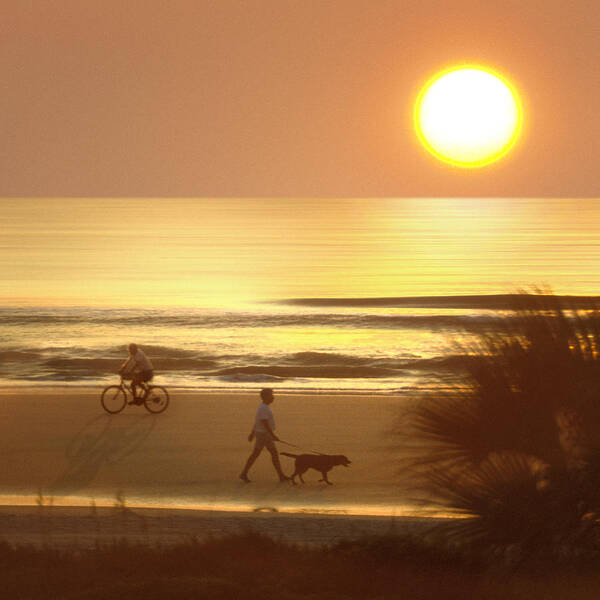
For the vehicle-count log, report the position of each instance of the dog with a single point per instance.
(320, 462)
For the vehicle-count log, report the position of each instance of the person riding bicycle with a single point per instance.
(140, 368)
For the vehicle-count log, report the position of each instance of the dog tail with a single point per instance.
(288, 454)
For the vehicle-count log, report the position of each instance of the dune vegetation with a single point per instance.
(253, 566)
(515, 444)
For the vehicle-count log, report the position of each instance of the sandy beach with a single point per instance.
(177, 473)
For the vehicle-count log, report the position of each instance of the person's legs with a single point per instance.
(249, 463)
(143, 378)
(275, 459)
(258, 446)
(135, 381)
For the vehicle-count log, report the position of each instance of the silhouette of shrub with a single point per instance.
(374, 568)
(515, 443)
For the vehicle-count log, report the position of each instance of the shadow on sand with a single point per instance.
(103, 440)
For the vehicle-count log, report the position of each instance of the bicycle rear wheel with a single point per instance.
(157, 399)
(113, 399)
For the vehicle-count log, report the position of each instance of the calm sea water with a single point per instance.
(201, 285)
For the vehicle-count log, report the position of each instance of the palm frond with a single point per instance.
(528, 403)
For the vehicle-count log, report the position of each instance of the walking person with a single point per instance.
(263, 432)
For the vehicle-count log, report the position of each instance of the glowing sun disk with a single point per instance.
(468, 116)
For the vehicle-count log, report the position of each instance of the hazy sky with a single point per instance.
(284, 98)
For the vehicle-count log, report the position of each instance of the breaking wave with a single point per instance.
(305, 365)
(369, 347)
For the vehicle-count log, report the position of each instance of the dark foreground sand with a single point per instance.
(84, 527)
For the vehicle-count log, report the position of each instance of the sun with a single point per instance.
(468, 116)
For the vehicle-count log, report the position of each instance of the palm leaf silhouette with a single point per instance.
(515, 444)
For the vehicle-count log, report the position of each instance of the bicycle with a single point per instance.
(154, 397)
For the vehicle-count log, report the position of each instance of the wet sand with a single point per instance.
(60, 448)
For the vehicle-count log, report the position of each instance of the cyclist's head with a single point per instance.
(132, 348)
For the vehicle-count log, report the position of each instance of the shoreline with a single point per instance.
(35, 501)
(90, 388)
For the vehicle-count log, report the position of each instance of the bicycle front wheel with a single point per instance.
(157, 399)
(113, 399)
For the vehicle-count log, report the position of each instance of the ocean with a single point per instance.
(237, 293)
(288, 346)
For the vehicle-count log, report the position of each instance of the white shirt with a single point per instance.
(264, 413)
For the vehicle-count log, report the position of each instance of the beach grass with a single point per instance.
(253, 566)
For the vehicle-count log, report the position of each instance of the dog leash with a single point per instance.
(300, 448)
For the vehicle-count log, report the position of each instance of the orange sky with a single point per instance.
(280, 98)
